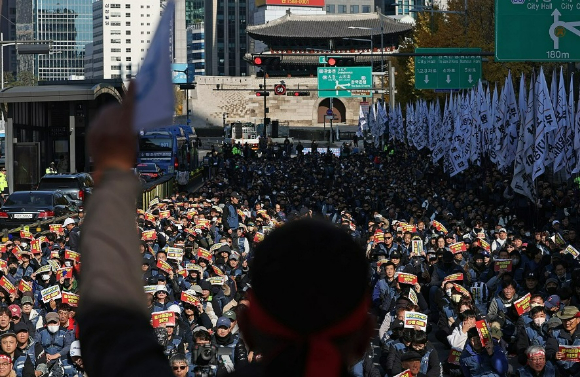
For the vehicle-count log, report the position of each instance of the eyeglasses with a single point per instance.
(537, 359)
(175, 367)
(5, 364)
(388, 238)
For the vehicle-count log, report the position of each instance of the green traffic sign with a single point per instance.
(322, 60)
(542, 31)
(447, 71)
(344, 81)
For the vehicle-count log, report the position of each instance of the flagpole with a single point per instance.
(535, 124)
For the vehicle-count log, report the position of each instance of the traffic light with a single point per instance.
(266, 62)
(262, 93)
(297, 94)
(340, 62)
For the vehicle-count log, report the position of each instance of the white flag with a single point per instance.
(362, 122)
(155, 99)
(545, 121)
(522, 182)
(512, 123)
(561, 113)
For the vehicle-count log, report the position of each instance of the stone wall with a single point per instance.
(236, 97)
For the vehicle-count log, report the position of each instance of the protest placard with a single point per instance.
(217, 280)
(72, 255)
(204, 254)
(44, 269)
(571, 353)
(406, 373)
(164, 214)
(149, 217)
(174, 253)
(437, 225)
(70, 298)
(164, 318)
(7, 285)
(413, 297)
(462, 290)
(416, 248)
(523, 304)
(454, 355)
(405, 278)
(149, 235)
(483, 331)
(150, 288)
(64, 272)
(26, 234)
(485, 245)
(413, 319)
(454, 277)
(164, 266)
(458, 247)
(258, 237)
(189, 298)
(35, 247)
(153, 202)
(50, 293)
(502, 265)
(56, 228)
(572, 251)
(25, 286)
(217, 271)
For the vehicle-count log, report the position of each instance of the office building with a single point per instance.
(122, 33)
(226, 41)
(349, 6)
(196, 47)
(8, 29)
(398, 9)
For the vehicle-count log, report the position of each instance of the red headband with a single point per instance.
(6, 358)
(324, 358)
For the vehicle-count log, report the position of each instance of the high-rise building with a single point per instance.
(401, 8)
(349, 6)
(122, 33)
(8, 29)
(196, 47)
(69, 24)
(194, 12)
(226, 41)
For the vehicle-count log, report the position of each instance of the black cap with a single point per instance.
(411, 356)
(531, 275)
(235, 195)
(447, 256)
(20, 327)
(205, 285)
(395, 255)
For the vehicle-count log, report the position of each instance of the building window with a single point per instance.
(127, 6)
(115, 6)
(128, 23)
(115, 41)
(128, 50)
(128, 59)
(354, 9)
(128, 41)
(366, 9)
(115, 32)
(115, 23)
(342, 9)
(115, 58)
(115, 14)
(115, 50)
(127, 14)
(116, 67)
(128, 32)
(330, 8)
(128, 67)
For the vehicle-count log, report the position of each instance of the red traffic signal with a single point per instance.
(332, 62)
(340, 62)
(262, 93)
(258, 60)
(297, 94)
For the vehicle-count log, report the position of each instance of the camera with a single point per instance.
(204, 355)
(204, 371)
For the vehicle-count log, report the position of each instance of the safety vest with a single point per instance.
(3, 182)
(52, 343)
(549, 371)
(564, 342)
(536, 339)
(425, 362)
(19, 362)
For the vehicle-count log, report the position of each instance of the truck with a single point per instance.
(250, 133)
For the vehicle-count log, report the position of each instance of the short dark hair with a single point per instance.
(309, 243)
(5, 311)
(420, 337)
(467, 314)
(201, 335)
(177, 358)
(537, 309)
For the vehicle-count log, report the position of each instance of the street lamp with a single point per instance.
(224, 116)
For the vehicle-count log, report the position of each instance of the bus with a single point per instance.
(167, 149)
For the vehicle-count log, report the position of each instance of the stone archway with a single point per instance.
(338, 109)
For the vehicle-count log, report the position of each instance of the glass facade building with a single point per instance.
(69, 23)
(194, 12)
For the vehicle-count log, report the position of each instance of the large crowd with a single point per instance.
(465, 277)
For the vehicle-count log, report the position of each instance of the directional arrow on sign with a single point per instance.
(426, 79)
(470, 80)
(448, 79)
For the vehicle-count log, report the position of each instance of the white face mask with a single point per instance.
(45, 277)
(52, 328)
(448, 292)
(67, 263)
(539, 321)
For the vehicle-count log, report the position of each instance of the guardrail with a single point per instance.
(38, 226)
(163, 187)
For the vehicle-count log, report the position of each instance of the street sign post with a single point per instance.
(447, 72)
(544, 31)
(344, 81)
(280, 89)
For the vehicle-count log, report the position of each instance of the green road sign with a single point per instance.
(344, 81)
(447, 72)
(542, 31)
(322, 60)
